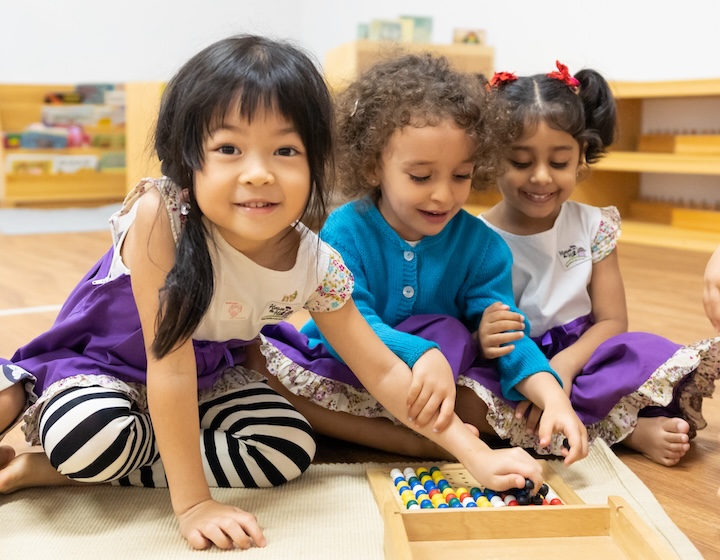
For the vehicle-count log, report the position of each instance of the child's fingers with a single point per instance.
(445, 416)
(424, 409)
(505, 323)
(496, 306)
(533, 420)
(413, 394)
(497, 351)
(578, 441)
(521, 409)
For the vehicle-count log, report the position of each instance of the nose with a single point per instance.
(255, 171)
(442, 192)
(541, 175)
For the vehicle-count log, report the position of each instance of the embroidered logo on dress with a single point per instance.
(290, 297)
(233, 311)
(276, 311)
(573, 256)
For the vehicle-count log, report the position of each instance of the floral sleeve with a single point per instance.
(335, 288)
(607, 234)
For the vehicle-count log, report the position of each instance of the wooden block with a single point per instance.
(704, 220)
(655, 212)
(543, 532)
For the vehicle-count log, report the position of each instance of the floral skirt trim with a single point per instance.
(328, 393)
(686, 379)
(232, 378)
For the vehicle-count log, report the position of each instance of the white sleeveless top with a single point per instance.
(247, 296)
(552, 269)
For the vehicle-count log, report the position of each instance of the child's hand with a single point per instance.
(533, 413)
(503, 469)
(225, 526)
(559, 417)
(711, 293)
(498, 328)
(432, 391)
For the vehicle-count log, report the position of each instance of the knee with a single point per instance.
(91, 445)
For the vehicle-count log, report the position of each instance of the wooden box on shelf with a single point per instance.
(680, 143)
(573, 529)
(344, 63)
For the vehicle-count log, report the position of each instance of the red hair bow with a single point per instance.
(563, 75)
(501, 78)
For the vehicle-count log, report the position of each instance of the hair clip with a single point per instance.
(500, 79)
(354, 110)
(562, 73)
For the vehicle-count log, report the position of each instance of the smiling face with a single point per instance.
(425, 178)
(540, 174)
(255, 180)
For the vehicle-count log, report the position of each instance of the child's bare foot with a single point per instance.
(28, 470)
(661, 439)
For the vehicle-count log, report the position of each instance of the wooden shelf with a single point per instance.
(616, 178)
(639, 162)
(650, 90)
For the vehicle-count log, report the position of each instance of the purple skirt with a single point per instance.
(97, 333)
(630, 375)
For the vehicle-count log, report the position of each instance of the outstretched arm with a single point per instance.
(388, 379)
(711, 294)
(149, 252)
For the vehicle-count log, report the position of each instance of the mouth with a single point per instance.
(434, 217)
(256, 204)
(538, 197)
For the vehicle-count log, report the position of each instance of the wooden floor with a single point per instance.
(664, 289)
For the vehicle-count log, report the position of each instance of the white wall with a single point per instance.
(69, 41)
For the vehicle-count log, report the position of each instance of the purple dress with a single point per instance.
(97, 340)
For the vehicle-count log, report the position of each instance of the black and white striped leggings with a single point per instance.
(249, 437)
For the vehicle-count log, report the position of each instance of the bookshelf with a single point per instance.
(22, 104)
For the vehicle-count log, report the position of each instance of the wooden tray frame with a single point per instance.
(587, 531)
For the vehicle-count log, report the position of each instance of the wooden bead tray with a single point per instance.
(572, 530)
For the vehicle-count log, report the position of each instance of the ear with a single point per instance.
(373, 178)
(583, 170)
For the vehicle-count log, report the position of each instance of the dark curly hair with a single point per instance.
(587, 113)
(415, 90)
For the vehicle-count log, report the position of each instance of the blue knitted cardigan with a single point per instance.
(458, 272)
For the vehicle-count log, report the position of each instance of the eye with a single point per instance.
(465, 177)
(229, 150)
(559, 165)
(287, 151)
(419, 179)
(520, 164)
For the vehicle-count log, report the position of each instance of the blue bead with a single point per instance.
(429, 485)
